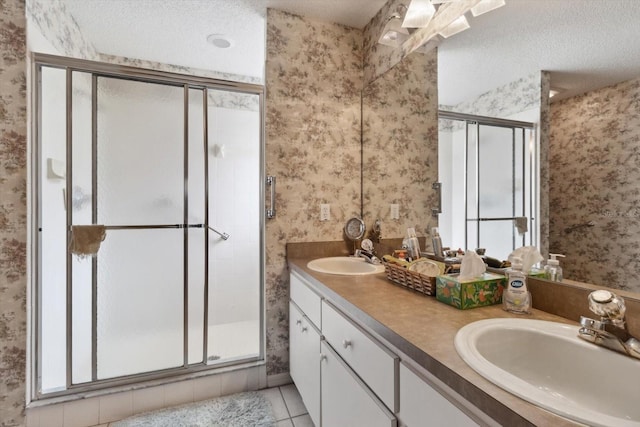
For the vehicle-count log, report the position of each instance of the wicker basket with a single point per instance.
(410, 279)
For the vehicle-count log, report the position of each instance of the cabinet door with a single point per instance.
(305, 298)
(304, 360)
(346, 401)
(374, 363)
(423, 406)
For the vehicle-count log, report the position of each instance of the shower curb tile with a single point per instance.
(206, 388)
(116, 406)
(81, 413)
(148, 399)
(178, 393)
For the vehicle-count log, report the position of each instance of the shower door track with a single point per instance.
(98, 69)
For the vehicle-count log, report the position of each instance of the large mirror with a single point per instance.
(591, 163)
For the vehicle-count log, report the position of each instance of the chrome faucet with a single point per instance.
(611, 330)
(367, 255)
(367, 252)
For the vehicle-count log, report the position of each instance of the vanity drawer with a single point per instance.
(374, 363)
(305, 298)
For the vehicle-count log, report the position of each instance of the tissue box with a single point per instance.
(478, 292)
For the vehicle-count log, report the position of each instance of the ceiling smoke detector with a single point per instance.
(219, 41)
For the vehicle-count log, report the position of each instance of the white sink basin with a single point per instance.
(547, 364)
(349, 266)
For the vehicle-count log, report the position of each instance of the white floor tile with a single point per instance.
(284, 423)
(277, 403)
(293, 400)
(302, 421)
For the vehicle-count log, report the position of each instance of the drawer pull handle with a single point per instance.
(304, 329)
(346, 343)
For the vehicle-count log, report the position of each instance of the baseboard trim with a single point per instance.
(277, 380)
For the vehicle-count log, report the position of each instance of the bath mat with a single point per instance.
(237, 410)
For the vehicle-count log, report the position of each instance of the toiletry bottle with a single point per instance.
(553, 271)
(437, 242)
(413, 245)
(516, 298)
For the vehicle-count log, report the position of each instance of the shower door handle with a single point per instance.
(271, 211)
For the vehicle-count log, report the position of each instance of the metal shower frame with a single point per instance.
(469, 120)
(98, 69)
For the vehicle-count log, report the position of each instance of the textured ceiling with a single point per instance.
(585, 44)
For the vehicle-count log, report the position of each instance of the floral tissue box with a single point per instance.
(478, 292)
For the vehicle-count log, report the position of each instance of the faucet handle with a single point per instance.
(607, 305)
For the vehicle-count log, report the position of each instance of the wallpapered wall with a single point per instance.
(595, 169)
(313, 79)
(400, 146)
(314, 74)
(13, 212)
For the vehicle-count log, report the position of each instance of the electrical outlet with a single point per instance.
(325, 212)
(395, 211)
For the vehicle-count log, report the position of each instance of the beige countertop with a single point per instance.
(424, 329)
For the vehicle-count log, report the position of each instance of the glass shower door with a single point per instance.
(140, 182)
(234, 327)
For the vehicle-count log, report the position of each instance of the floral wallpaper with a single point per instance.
(400, 146)
(13, 212)
(313, 79)
(594, 160)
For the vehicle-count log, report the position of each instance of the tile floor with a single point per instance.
(288, 409)
(287, 405)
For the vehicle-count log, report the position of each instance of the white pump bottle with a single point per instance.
(553, 271)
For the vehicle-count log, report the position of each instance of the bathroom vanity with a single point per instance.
(364, 351)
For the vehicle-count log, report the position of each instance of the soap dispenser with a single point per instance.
(553, 271)
(516, 298)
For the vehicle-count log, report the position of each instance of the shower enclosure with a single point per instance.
(172, 166)
(488, 173)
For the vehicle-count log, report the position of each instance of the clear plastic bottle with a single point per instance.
(413, 245)
(437, 243)
(553, 271)
(516, 298)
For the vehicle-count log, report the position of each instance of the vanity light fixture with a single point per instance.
(419, 14)
(455, 27)
(394, 34)
(427, 22)
(486, 6)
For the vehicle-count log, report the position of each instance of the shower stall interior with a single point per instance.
(172, 166)
(488, 170)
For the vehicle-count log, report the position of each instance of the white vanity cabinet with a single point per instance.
(346, 400)
(304, 345)
(423, 406)
(347, 377)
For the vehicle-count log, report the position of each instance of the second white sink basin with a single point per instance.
(547, 364)
(349, 266)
